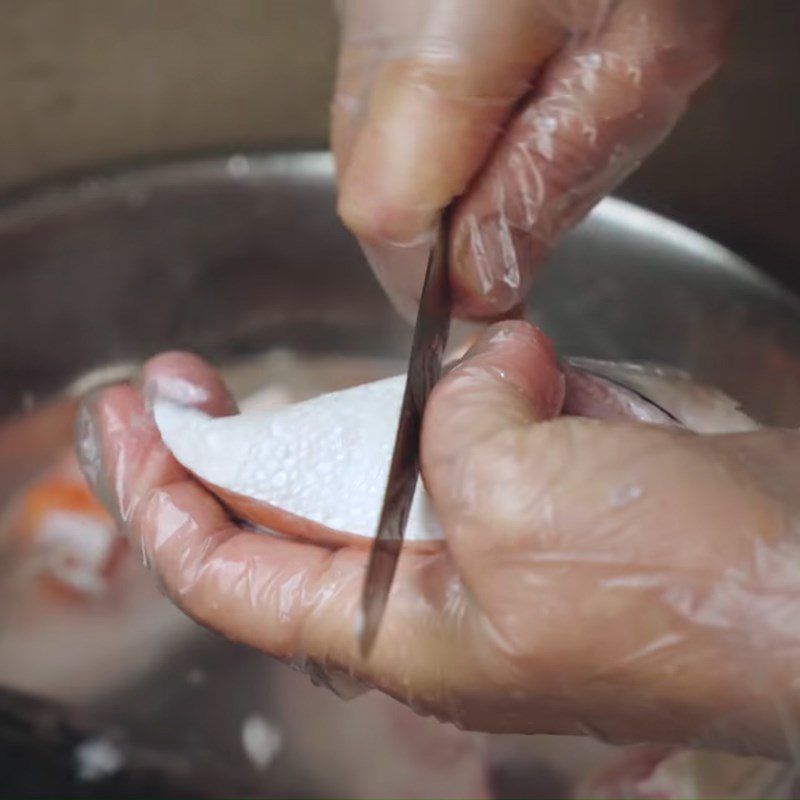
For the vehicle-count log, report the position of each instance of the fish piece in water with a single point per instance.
(650, 393)
(66, 529)
(78, 615)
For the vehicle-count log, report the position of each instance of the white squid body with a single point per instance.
(318, 469)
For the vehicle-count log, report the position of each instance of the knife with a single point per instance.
(424, 368)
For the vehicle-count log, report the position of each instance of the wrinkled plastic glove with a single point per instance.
(533, 110)
(629, 581)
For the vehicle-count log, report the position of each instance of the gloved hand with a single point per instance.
(630, 581)
(531, 109)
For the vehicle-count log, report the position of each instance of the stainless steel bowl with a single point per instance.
(233, 256)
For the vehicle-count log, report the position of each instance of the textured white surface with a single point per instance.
(326, 459)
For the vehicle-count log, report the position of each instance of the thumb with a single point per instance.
(515, 487)
(508, 380)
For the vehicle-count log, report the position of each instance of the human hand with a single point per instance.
(630, 581)
(533, 110)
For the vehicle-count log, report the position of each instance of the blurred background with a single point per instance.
(92, 83)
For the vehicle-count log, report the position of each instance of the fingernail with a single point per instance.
(175, 389)
(492, 265)
(401, 272)
(519, 352)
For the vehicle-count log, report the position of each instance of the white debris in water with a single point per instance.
(196, 676)
(96, 759)
(238, 166)
(626, 494)
(261, 741)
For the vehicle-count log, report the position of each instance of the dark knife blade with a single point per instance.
(425, 366)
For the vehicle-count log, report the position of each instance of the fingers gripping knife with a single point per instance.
(425, 366)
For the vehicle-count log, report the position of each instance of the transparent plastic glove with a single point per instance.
(626, 580)
(530, 109)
